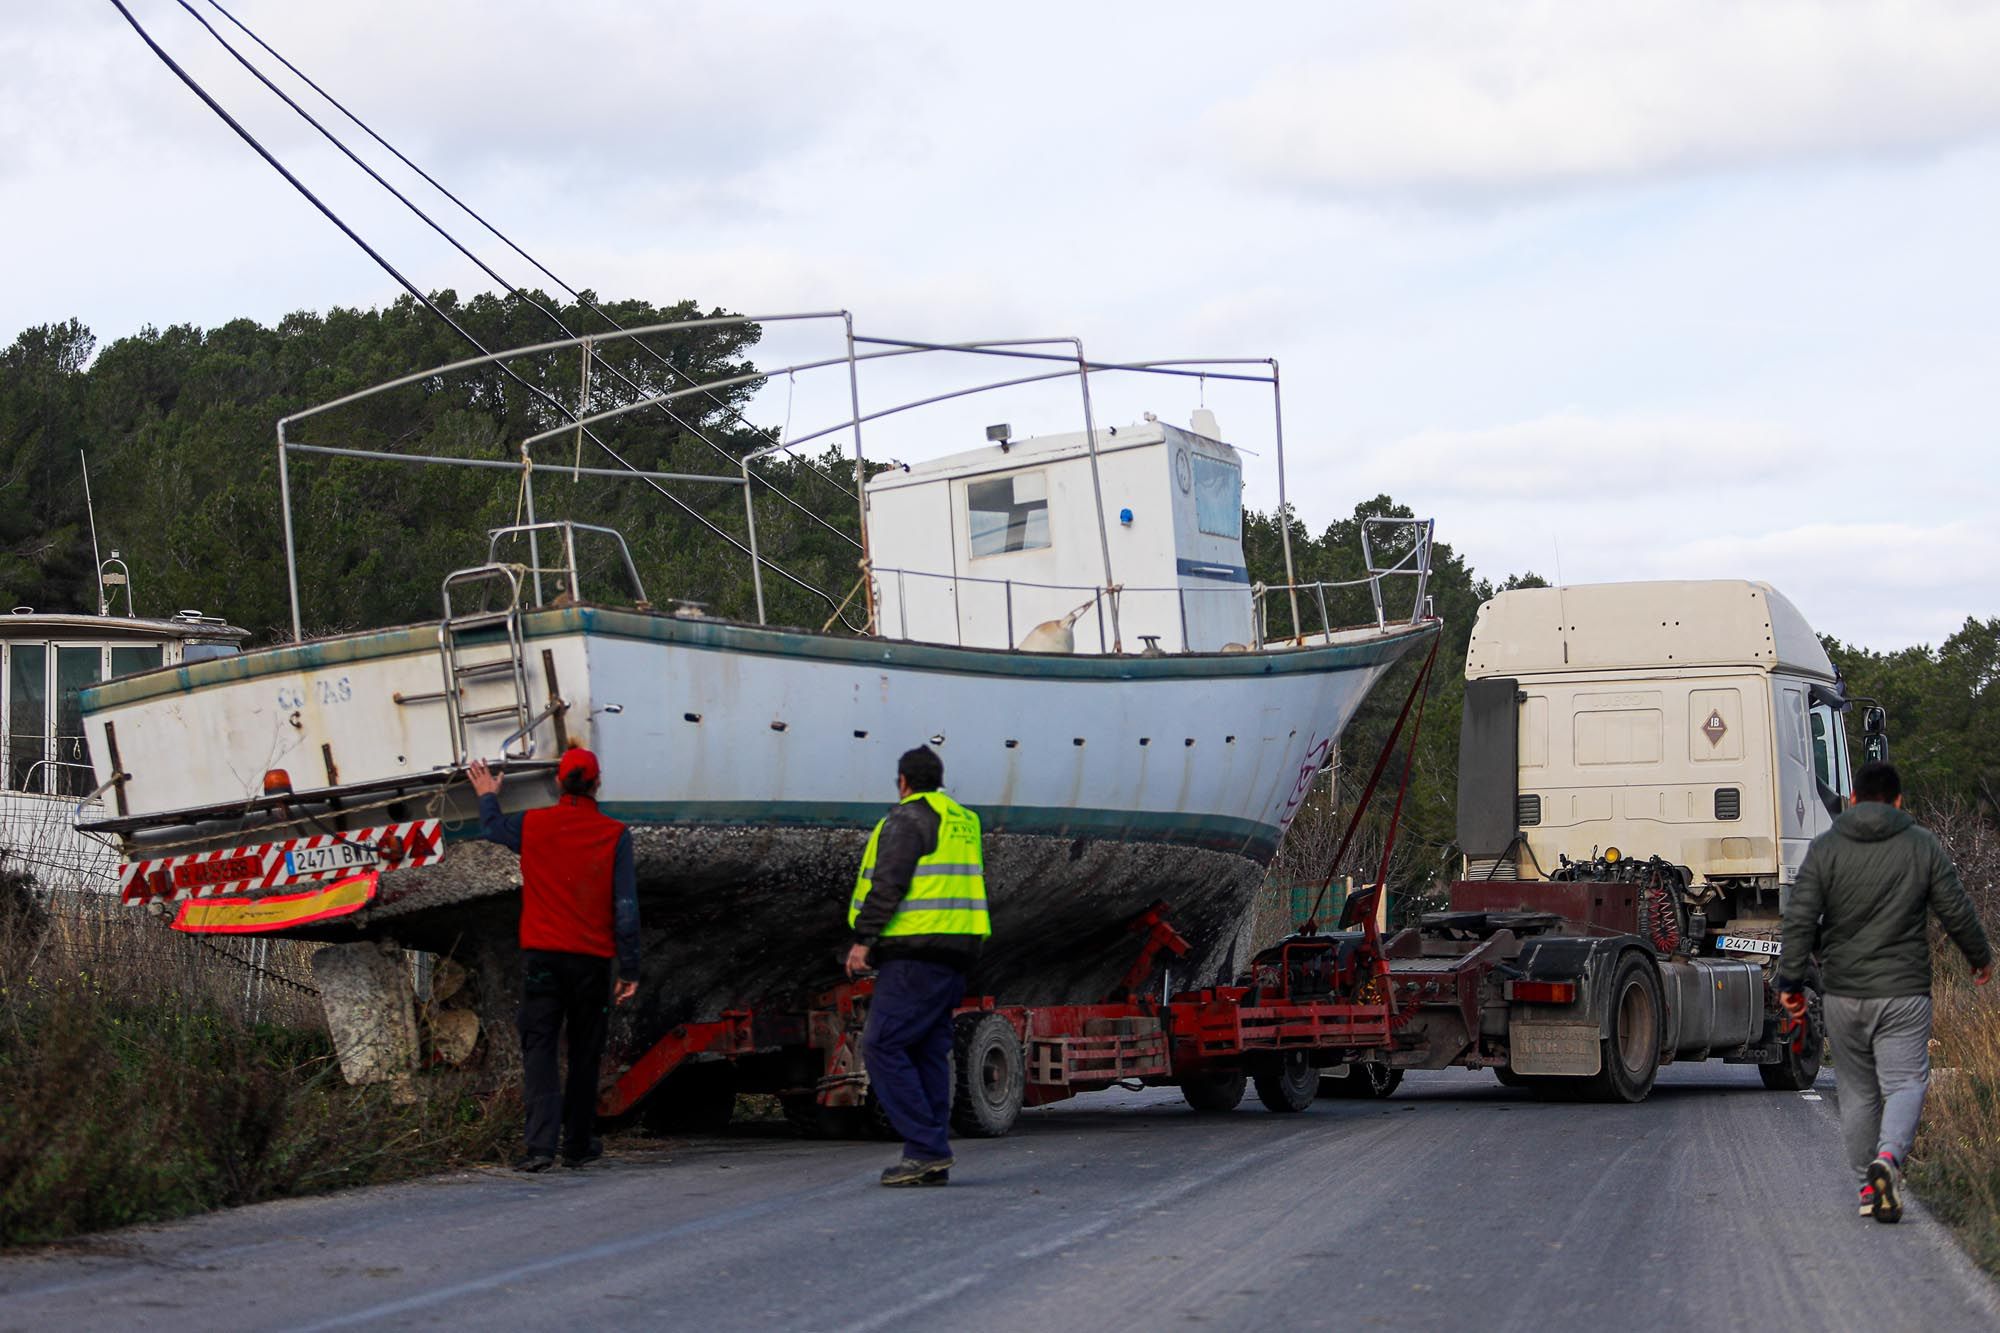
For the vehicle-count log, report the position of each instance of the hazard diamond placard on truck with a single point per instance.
(275, 864)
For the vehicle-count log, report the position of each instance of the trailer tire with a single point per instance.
(1288, 1085)
(990, 1081)
(1210, 1094)
(1796, 1071)
(694, 1099)
(1631, 1051)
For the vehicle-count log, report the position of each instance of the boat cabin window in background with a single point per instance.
(1218, 497)
(44, 742)
(1008, 514)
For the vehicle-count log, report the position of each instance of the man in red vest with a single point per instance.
(579, 910)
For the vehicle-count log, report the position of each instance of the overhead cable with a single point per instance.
(813, 469)
(486, 268)
(422, 299)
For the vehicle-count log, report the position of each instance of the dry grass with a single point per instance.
(143, 1077)
(1956, 1165)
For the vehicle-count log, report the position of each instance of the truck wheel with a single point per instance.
(694, 1099)
(1798, 1070)
(1632, 1051)
(1508, 1078)
(991, 1078)
(1213, 1092)
(1289, 1085)
(1365, 1080)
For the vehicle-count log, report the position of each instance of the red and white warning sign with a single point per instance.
(272, 864)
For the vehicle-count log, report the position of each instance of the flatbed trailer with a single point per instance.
(1571, 988)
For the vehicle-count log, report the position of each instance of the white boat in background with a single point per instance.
(48, 787)
(1006, 585)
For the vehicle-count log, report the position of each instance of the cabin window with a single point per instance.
(1218, 497)
(1008, 514)
(76, 669)
(131, 661)
(27, 713)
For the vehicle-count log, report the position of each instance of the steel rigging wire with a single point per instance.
(425, 301)
(813, 469)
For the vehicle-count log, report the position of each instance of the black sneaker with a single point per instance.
(592, 1151)
(910, 1171)
(534, 1161)
(1887, 1182)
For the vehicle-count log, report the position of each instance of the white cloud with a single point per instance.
(1597, 459)
(1879, 584)
(1491, 100)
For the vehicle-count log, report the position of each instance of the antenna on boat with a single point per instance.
(103, 606)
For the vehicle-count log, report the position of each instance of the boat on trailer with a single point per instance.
(1067, 620)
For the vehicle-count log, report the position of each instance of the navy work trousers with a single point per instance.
(907, 1045)
(563, 995)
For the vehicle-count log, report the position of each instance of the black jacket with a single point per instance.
(1863, 901)
(909, 834)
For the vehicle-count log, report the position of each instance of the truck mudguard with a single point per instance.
(1587, 961)
(1488, 776)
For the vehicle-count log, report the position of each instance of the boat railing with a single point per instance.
(578, 422)
(57, 777)
(1385, 555)
(569, 572)
(1391, 548)
(1092, 603)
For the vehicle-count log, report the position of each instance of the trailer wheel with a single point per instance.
(991, 1078)
(1365, 1080)
(1632, 1050)
(1798, 1070)
(694, 1099)
(1289, 1085)
(1210, 1093)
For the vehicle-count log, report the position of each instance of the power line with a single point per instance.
(299, 185)
(812, 468)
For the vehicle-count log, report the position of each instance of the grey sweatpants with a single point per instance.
(1882, 1067)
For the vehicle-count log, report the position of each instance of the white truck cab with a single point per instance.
(1700, 722)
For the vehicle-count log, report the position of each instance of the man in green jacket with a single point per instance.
(1863, 903)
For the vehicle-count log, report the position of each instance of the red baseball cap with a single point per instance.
(576, 759)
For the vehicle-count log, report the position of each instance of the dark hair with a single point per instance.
(1878, 781)
(579, 782)
(921, 768)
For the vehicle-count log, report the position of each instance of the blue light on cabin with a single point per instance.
(1125, 517)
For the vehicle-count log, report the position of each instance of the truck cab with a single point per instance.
(1700, 722)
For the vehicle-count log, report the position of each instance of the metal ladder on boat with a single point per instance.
(500, 683)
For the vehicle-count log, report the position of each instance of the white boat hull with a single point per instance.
(752, 762)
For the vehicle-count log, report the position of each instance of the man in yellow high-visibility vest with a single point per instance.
(919, 918)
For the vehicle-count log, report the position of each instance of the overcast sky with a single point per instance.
(1634, 291)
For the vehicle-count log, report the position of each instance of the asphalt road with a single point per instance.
(1458, 1204)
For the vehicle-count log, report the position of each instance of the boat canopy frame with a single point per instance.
(1073, 361)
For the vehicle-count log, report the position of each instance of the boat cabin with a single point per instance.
(46, 658)
(981, 548)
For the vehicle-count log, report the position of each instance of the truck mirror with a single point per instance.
(1875, 721)
(1875, 748)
